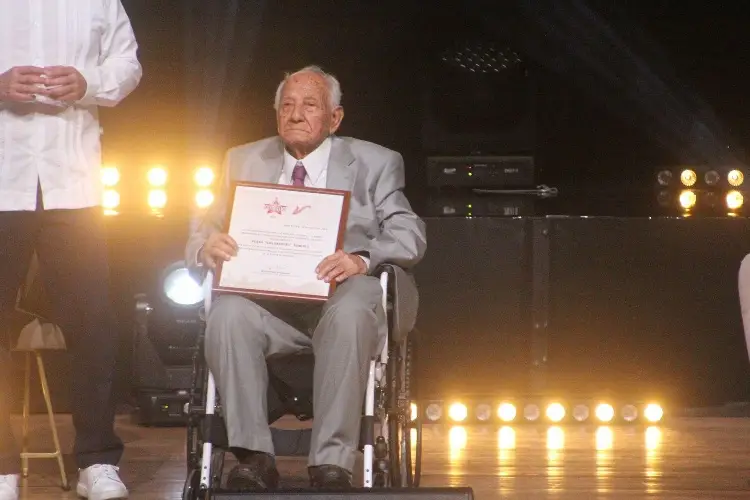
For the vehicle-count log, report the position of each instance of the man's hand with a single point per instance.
(218, 247)
(64, 83)
(340, 266)
(20, 84)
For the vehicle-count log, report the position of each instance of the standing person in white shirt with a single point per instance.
(59, 61)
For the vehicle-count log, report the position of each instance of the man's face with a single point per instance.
(305, 117)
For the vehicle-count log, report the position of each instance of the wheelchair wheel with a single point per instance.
(192, 485)
(404, 446)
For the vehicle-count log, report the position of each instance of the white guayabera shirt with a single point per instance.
(59, 146)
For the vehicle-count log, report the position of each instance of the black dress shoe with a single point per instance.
(256, 472)
(329, 476)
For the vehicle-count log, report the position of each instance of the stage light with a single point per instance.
(414, 412)
(711, 178)
(157, 176)
(110, 176)
(458, 412)
(434, 412)
(531, 412)
(555, 412)
(734, 200)
(180, 287)
(604, 412)
(688, 199)
(629, 413)
(204, 198)
(735, 178)
(483, 412)
(653, 412)
(664, 177)
(110, 199)
(506, 412)
(204, 177)
(157, 198)
(581, 413)
(688, 177)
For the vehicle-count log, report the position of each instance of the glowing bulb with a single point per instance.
(204, 198)
(688, 199)
(688, 177)
(653, 412)
(605, 412)
(735, 178)
(157, 198)
(110, 176)
(157, 176)
(555, 412)
(458, 412)
(734, 200)
(506, 412)
(110, 199)
(204, 176)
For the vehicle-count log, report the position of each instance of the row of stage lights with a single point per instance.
(554, 412)
(699, 188)
(156, 177)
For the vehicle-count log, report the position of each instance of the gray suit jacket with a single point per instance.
(381, 223)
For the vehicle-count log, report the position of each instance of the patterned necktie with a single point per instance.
(298, 175)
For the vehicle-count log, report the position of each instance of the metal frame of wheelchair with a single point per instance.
(389, 460)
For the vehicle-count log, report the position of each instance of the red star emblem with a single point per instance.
(275, 207)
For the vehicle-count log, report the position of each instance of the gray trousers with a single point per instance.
(344, 334)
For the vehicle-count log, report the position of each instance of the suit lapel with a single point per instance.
(273, 161)
(340, 172)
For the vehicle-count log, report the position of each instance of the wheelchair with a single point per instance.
(391, 435)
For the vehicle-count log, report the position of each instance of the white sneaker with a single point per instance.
(9, 487)
(101, 482)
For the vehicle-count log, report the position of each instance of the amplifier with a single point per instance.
(475, 205)
(161, 408)
(480, 171)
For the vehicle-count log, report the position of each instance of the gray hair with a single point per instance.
(334, 88)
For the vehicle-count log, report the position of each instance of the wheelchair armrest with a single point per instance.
(403, 298)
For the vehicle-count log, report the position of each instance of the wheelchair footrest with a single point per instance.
(354, 494)
(291, 442)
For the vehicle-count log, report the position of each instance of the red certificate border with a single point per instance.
(270, 294)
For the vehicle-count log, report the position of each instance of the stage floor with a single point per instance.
(687, 458)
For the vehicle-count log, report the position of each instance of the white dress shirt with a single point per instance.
(316, 166)
(59, 146)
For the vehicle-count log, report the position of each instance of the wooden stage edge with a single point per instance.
(697, 457)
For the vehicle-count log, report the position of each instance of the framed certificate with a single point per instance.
(283, 233)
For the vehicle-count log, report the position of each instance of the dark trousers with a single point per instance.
(71, 248)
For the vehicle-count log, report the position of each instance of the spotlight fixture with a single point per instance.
(735, 178)
(653, 412)
(711, 178)
(506, 412)
(434, 412)
(204, 177)
(581, 413)
(458, 412)
(688, 177)
(555, 412)
(664, 177)
(734, 200)
(629, 413)
(531, 412)
(110, 176)
(688, 199)
(110, 199)
(604, 412)
(157, 176)
(157, 198)
(180, 288)
(483, 412)
(204, 198)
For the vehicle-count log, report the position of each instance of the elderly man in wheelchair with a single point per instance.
(348, 335)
